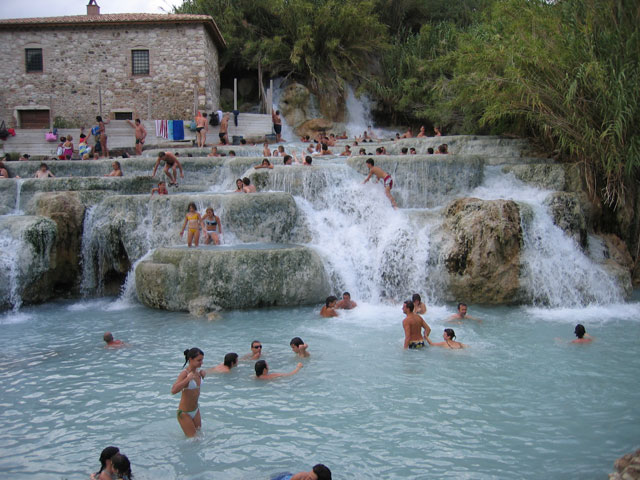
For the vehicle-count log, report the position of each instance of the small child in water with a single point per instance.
(193, 219)
(43, 172)
(161, 189)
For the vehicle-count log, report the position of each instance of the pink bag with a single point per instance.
(50, 137)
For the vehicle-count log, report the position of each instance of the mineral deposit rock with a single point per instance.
(241, 276)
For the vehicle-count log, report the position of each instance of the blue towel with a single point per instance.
(170, 129)
(178, 130)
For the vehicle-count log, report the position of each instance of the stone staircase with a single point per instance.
(250, 126)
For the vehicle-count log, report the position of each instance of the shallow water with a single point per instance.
(519, 403)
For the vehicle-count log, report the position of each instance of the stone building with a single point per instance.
(133, 65)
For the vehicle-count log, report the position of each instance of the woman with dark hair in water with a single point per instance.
(581, 333)
(189, 382)
(106, 471)
(122, 466)
(449, 341)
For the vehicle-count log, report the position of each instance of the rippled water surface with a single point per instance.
(519, 403)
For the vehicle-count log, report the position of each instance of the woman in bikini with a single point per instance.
(212, 227)
(193, 220)
(449, 341)
(189, 382)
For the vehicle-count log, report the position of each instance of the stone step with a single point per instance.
(120, 135)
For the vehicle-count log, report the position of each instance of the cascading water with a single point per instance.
(10, 249)
(358, 114)
(556, 272)
(17, 210)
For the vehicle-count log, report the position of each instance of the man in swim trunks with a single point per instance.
(277, 125)
(224, 127)
(462, 315)
(201, 129)
(346, 303)
(381, 175)
(140, 133)
(413, 325)
(171, 162)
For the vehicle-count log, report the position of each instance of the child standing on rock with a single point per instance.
(193, 220)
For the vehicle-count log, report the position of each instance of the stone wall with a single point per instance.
(79, 60)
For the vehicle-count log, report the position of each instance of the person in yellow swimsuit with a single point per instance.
(193, 221)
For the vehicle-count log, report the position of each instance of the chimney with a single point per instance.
(93, 8)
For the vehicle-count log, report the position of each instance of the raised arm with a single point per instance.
(181, 383)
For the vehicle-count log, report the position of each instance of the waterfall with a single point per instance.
(10, 250)
(556, 272)
(369, 249)
(358, 114)
(16, 210)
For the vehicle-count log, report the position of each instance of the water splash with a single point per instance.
(17, 210)
(10, 253)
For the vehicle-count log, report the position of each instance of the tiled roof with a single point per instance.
(114, 19)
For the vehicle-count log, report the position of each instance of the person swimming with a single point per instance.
(581, 333)
(449, 341)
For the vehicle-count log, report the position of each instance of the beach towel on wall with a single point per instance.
(162, 128)
(178, 130)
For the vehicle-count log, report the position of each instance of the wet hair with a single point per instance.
(107, 454)
(246, 181)
(238, 180)
(254, 342)
(261, 366)
(430, 151)
(416, 298)
(324, 146)
(442, 148)
(331, 299)
(107, 337)
(404, 149)
(118, 164)
(63, 139)
(297, 341)
(284, 160)
(232, 152)
(347, 294)
(161, 154)
(461, 305)
(269, 163)
(370, 160)
(191, 204)
(450, 333)
(191, 353)
(281, 148)
(362, 152)
(230, 359)
(44, 165)
(308, 159)
(378, 151)
(322, 472)
(579, 330)
(121, 465)
(409, 305)
(412, 149)
(98, 118)
(138, 120)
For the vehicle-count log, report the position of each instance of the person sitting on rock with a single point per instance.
(117, 170)
(248, 188)
(329, 308)
(43, 172)
(266, 163)
(161, 189)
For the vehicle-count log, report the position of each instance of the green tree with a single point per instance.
(567, 73)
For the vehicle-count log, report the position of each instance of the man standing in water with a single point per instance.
(462, 314)
(277, 125)
(141, 134)
(413, 325)
(381, 175)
